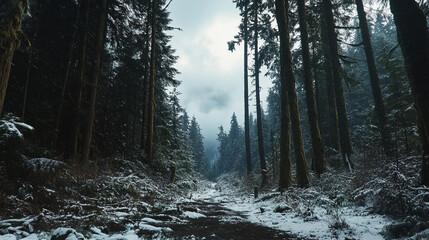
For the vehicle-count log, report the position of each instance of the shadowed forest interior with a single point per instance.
(96, 141)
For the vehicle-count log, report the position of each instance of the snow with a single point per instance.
(192, 215)
(71, 237)
(323, 211)
(307, 213)
(9, 130)
(130, 235)
(362, 224)
(291, 212)
(31, 237)
(23, 125)
(151, 220)
(43, 165)
(150, 228)
(98, 231)
(8, 237)
(121, 214)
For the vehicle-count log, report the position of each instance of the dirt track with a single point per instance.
(221, 223)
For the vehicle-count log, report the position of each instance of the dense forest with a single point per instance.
(96, 144)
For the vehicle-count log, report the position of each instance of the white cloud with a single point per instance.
(212, 76)
(212, 39)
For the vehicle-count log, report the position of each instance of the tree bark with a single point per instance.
(145, 97)
(343, 122)
(87, 135)
(10, 38)
(380, 109)
(76, 123)
(298, 143)
(258, 101)
(316, 138)
(67, 68)
(27, 74)
(285, 165)
(330, 92)
(413, 37)
(151, 103)
(246, 92)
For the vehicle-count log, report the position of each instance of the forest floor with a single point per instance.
(127, 200)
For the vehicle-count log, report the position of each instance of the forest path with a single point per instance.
(218, 222)
(209, 218)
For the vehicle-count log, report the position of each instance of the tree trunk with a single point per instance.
(145, 96)
(258, 102)
(285, 165)
(375, 81)
(151, 103)
(316, 139)
(27, 74)
(317, 93)
(87, 135)
(74, 138)
(334, 134)
(44, 55)
(10, 32)
(66, 75)
(413, 37)
(298, 143)
(246, 92)
(343, 122)
(273, 153)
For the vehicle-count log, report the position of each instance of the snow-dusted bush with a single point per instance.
(12, 144)
(43, 170)
(43, 165)
(394, 190)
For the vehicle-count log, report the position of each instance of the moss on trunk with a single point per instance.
(316, 138)
(298, 143)
(10, 39)
(285, 165)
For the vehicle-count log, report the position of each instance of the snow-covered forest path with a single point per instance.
(210, 219)
(233, 214)
(223, 210)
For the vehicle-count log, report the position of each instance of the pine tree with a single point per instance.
(380, 109)
(316, 139)
(334, 135)
(246, 91)
(151, 102)
(73, 141)
(413, 37)
(343, 124)
(301, 163)
(285, 165)
(196, 140)
(87, 136)
(243, 35)
(67, 68)
(258, 96)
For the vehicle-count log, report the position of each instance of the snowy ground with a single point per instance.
(201, 216)
(134, 206)
(224, 210)
(313, 222)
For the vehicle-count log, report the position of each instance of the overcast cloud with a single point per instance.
(212, 77)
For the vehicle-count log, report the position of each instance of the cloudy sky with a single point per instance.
(212, 77)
